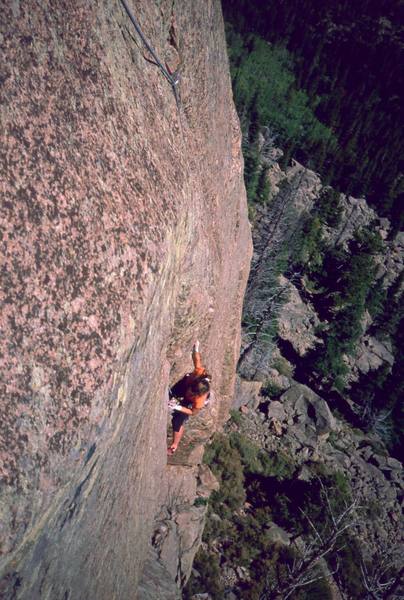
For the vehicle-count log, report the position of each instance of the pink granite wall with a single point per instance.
(123, 237)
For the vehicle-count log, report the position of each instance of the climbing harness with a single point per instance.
(172, 78)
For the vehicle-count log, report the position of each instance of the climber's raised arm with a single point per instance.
(195, 396)
(196, 358)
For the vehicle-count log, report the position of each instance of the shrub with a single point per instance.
(309, 248)
(218, 529)
(207, 565)
(271, 390)
(283, 366)
(319, 590)
(349, 574)
(266, 480)
(278, 465)
(225, 463)
(200, 501)
(248, 452)
(236, 417)
(329, 207)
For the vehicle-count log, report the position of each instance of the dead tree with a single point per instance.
(308, 566)
(382, 577)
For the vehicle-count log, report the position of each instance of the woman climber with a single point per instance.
(188, 396)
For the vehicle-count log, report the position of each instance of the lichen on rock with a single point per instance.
(124, 236)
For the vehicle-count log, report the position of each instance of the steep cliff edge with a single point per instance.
(124, 237)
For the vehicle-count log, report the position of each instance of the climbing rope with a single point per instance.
(173, 78)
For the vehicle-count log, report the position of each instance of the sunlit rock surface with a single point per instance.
(124, 238)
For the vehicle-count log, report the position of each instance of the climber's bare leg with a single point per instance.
(177, 435)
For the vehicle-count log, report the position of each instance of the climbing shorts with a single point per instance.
(178, 419)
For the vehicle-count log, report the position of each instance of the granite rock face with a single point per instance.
(370, 354)
(124, 238)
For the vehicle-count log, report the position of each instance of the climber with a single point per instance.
(193, 392)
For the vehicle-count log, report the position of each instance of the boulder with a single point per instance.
(297, 320)
(275, 177)
(370, 354)
(311, 411)
(304, 473)
(246, 393)
(207, 482)
(390, 263)
(276, 426)
(394, 464)
(243, 573)
(276, 411)
(282, 382)
(356, 213)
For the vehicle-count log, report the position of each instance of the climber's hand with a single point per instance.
(196, 346)
(173, 404)
(177, 407)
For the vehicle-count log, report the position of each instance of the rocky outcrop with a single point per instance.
(280, 300)
(310, 435)
(391, 262)
(355, 214)
(246, 393)
(178, 532)
(370, 354)
(293, 194)
(125, 237)
(310, 411)
(297, 320)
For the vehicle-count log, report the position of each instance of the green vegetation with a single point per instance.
(319, 82)
(346, 281)
(226, 465)
(200, 501)
(271, 390)
(310, 248)
(328, 207)
(257, 461)
(207, 565)
(258, 488)
(346, 56)
(266, 94)
(349, 302)
(236, 416)
(283, 366)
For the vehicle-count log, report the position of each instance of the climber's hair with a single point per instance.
(201, 385)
